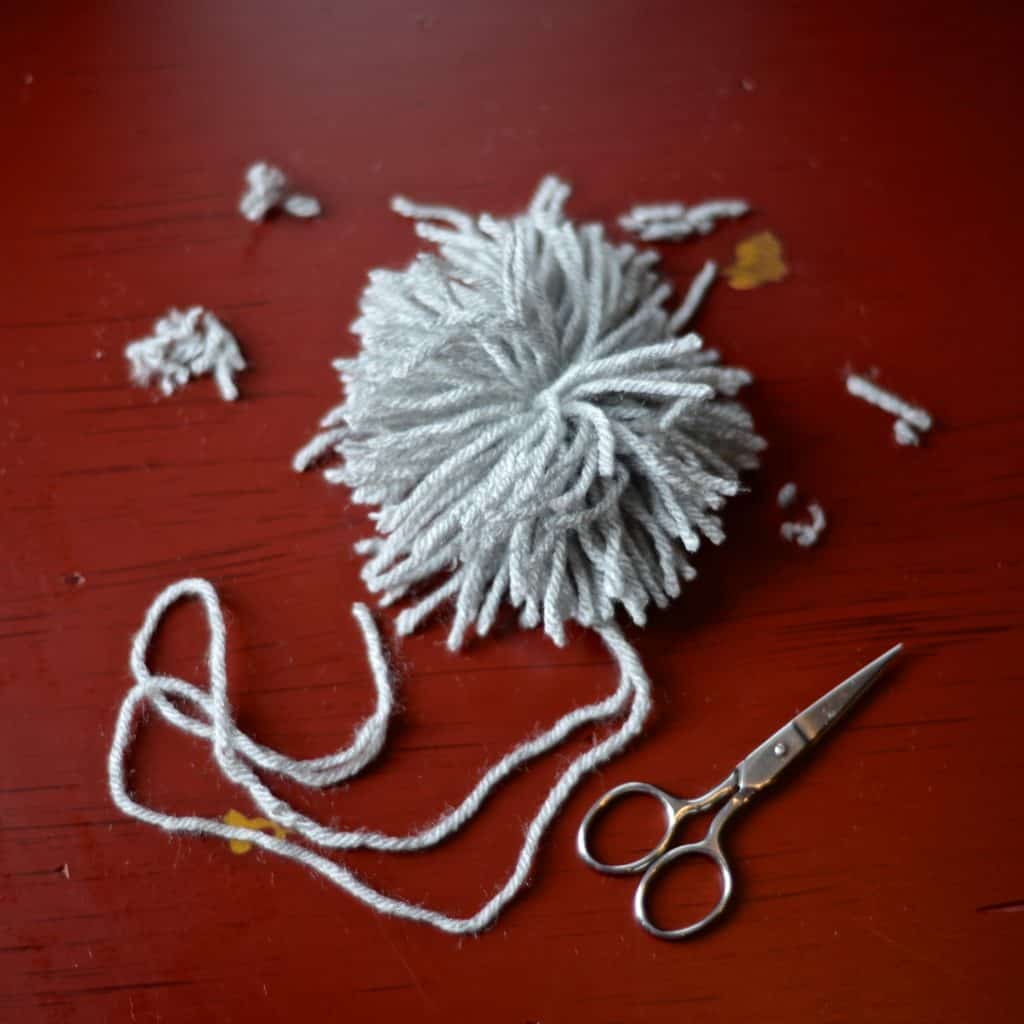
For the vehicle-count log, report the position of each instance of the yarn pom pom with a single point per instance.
(530, 419)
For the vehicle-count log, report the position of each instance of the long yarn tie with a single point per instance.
(238, 756)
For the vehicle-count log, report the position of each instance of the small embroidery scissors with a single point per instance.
(755, 772)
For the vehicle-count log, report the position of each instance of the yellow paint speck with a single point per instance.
(239, 820)
(758, 261)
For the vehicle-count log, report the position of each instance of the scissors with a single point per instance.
(755, 772)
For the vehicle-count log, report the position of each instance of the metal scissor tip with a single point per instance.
(827, 710)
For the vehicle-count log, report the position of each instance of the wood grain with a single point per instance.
(879, 142)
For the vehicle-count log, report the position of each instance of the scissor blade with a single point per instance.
(827, 710)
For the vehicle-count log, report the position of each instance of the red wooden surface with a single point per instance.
(881, 143)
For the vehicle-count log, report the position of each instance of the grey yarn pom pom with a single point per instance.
(530, 420)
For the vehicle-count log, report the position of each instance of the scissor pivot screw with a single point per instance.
(779, 749)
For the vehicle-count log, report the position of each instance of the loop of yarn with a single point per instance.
(672, 222)
(529, 418)
(207, 714)
(268, 189)
(187, 345)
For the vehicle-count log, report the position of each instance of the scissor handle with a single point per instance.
(673, 807)
(708, 848)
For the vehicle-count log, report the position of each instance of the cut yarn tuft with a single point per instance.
(530, 419)
(268, 189)
(672, 222)
(183, 346)
(806, 534)
(787, 495)
(911, 420)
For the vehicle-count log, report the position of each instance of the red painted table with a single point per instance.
(880, 142)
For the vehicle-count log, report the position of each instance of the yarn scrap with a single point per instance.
(269, 189)
(911, 420)
(672, 222)
(184, 346)
(806, 534)
(787, 495)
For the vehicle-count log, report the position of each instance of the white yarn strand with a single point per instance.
(787, 495)
(672, 222)
(526, 414)
(238, 757)
(910, 419)
(694, 297)
(268, 189)
(806, 534)
(905, 434)
(184, 346)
